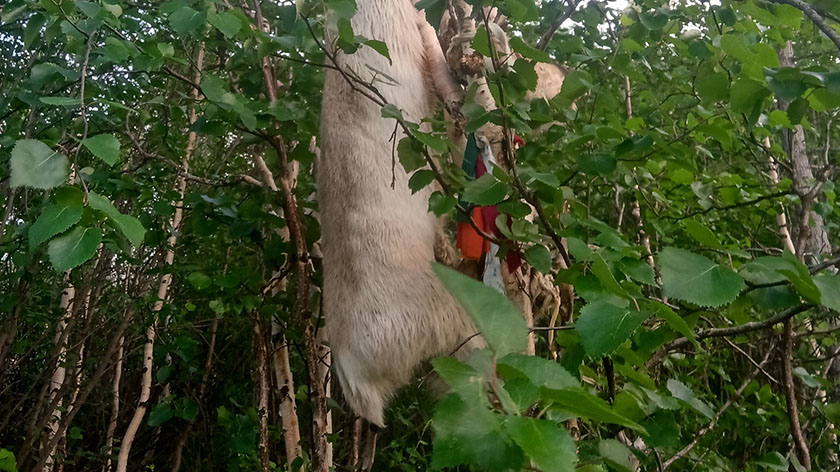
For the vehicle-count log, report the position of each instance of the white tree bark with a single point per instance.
(163, 287)
(115, 406)
(60, 373)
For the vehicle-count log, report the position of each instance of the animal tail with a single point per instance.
(366, 398)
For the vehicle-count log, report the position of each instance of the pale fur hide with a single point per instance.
(385, 310)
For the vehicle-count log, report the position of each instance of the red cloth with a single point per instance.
(469, 241)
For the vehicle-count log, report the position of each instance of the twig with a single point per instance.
(800, 446)
(83, 111)
(752, 361)
(699, 435)
(731, 331)
(558, 20)
(733, 206)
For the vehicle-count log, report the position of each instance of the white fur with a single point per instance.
(385, 310)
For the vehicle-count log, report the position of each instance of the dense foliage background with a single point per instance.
(159, 310)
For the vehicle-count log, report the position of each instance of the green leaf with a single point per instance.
(547, 443)
(485, 190)
(434, 10)
(525, 74)
(746, 94)
(61, 101)
(832, 411)
(496, 318)
(631, 45)
(579, 402)
(468, 433)
(433, 141)
(199, 280)
(117, 50)
(598, 163)
(540, 372)
(228, 23)
(539, 258)
(829, 286)
(160, 414)
(33, 29)
(185, 20)
(163, 373)
(696, 279)
(480, 42)
(527, 51)
(105, 147)
(765, 270)
(653, 20)
(788, 15)
(733, 44)
(115, 10)
(12, 11)
(74, 248)
(127, 224)
(8, 463)
(807, 378)
(461, 378)
(345, 9)
(441, 204)
(602, 271)
(59, 7)
(797, 109)
(786, 90)
(674, 320)
(702, 234)
(713, 87)
(522, 10)
(577, 83)
(379, 47)
(55, 219)
(637, 270)
(800, 277)
(663, 430)
(420, 179)
(603, 327)
(616, 454)
(186, 409)
(411, 155)
(774, 461)
(391, 111)
(682, 392)
(35, 165)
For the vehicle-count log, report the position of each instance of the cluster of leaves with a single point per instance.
(707, 88)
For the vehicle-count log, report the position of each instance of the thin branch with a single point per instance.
(733, 206)
(815, 17)
(558, 20)
(699, 435)
(800, 444)
(752, 361)
(731, 331)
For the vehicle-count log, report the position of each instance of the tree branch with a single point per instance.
(558, 20)
(731, 331)
(815, 17)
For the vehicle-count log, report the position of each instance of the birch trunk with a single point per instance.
(115, 406)
(286, 393)
(262, 397)
(60, 373)
(163, 287)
